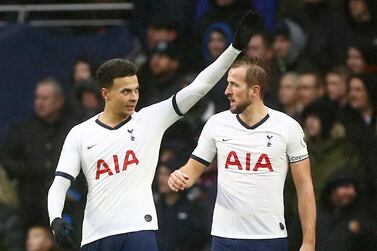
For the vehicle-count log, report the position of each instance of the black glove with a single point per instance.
(250, 23)
(61, 231)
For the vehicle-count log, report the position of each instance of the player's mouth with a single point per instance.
(130, 107)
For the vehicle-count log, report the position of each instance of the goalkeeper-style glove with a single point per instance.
(250, 23)
(61, 230)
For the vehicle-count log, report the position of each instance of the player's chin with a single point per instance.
(232, 107)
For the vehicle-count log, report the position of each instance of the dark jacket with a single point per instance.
(11, 235)
(30, 155)
(348, 228)
(183, 226)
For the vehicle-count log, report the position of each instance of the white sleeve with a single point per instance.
(67, 170)
(69, 161)
(165, 113)
(296, 148)
(206, 149)
(56, 197)
(203, 83)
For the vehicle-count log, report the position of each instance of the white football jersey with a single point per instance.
(119, 165)
(252, 166)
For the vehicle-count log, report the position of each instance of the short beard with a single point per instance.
(239, 109)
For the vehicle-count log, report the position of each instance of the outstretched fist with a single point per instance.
(250, 23)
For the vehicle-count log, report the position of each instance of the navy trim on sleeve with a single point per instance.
(175, 106)
(65, 175)
(204, 162)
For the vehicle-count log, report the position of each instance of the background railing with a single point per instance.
(23, 13)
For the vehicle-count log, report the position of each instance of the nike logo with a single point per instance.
(89, 147)
(226, 140)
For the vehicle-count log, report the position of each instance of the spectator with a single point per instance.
(310, 87)
(11, 234)
(326, 33)
(362, 20)
(343, 223)
(336, 85)
(160, 29)
(288, 44)
(361, 58)
(288, 97)
(329, 150)
(182, 224)
(82, 70)
(88, 98)
(39, 238)
(216, 39)
(159, 76)
(260, 45)
(363, 98)
(31, 151)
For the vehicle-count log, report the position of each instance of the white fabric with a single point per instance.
(56, 197)
(249, 203)
(204, 82)
(118, 200)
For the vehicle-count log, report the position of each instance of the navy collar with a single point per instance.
(115, 127)
(253, 126)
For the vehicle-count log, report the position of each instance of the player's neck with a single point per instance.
(254, 113)
(111, 118)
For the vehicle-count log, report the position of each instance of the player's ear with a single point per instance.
(105, 93)
(255, 90)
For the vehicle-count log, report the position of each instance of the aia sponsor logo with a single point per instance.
(103, 168)
(262, 162)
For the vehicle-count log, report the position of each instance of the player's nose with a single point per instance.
(227, 91)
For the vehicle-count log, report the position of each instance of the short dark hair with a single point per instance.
(114, 68)
(340, 70)
(54, 83)
(319, 82)
(256, 73)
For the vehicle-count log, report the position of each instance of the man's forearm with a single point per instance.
(307, 211)
(56, 197)
(206, 80)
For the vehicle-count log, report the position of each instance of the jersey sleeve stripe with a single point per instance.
(175, 106)
(65, 175)
(204, 162)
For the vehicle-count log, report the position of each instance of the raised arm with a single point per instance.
(204, 82)
(306, 202)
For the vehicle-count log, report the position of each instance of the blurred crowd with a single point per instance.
(323, 73)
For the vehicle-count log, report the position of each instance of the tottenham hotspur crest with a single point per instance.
(130, 131)
(269, 137)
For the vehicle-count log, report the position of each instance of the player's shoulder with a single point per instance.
(221, 116)
(84, 126)
(281, 118)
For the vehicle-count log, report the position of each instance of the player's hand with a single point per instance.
(177, 180)
(250, 23)
(61, 230)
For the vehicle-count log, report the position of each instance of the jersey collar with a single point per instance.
(253, 126)
(115, 127)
